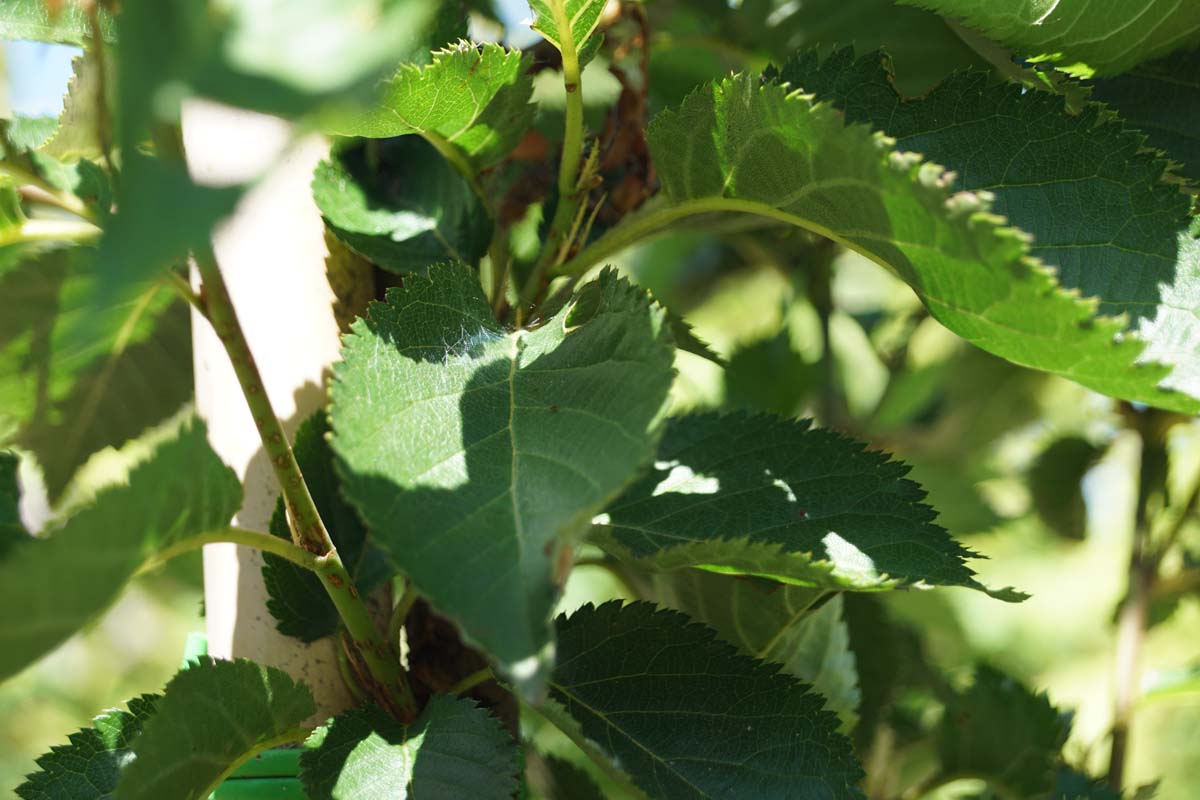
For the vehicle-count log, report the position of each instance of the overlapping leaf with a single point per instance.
(741, 146)
(453, 749)
(1161, 99)
(1000, 730)
(773, 622)
(1079, 36)
(212, 717)
(404, 212)
(474, 98)
(687, 716)
(1099, 208)
(89, 765)
(924, 47)
(476, 454)
(297, 600)
(760, 495)
(279, 57)
(67, 394)
(54, 586)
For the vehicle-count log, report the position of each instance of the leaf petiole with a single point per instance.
(256, 539)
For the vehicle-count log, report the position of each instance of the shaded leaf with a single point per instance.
(212, 717)
(1079, 36)
(1000, 730)
(924, 47)
(769, 375)
(476, 455)
(475, 98)
(89, 766)
(281, 56)
(12, 530)
(760, 495)
(889, 660)
(1056, 484)
(1101, 210)
(297, 600)
(453, 749)
(559, 779)
(1074, 785)
(741, 146)
(52, 587)
(77, 378)
(685, 715)
(773, 622)
(409, 210)
(687, 340)
(1161, 99)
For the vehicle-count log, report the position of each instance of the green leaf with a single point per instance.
(559, 779)
(1161, 99)
(89, 766)
(129, 257)
(923, 45)
(53, 587)
(85, 179)
(12, 530)
(212, 717)
(33, 19)
(77, 130)
(453, 749)
(1074, 785)
(687, 716)
(1056, 484)
(1079, 36)
(287, 57)
(76, 377)
(297, 599)
(761, 495)
(476, 455)
(401, 205)
(890, 662)
(687, 340)
(769, 375)
(773, 622)
(740, 146)
(1000, 730)
(474, 98)
(29, 133)
(582, 17)
(1073, 182)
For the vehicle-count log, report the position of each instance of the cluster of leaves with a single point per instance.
(504, 410)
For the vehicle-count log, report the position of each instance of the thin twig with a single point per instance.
(471, 681)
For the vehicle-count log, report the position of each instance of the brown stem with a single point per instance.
(1135, 608)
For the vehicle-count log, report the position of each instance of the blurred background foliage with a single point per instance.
(1036, 472)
